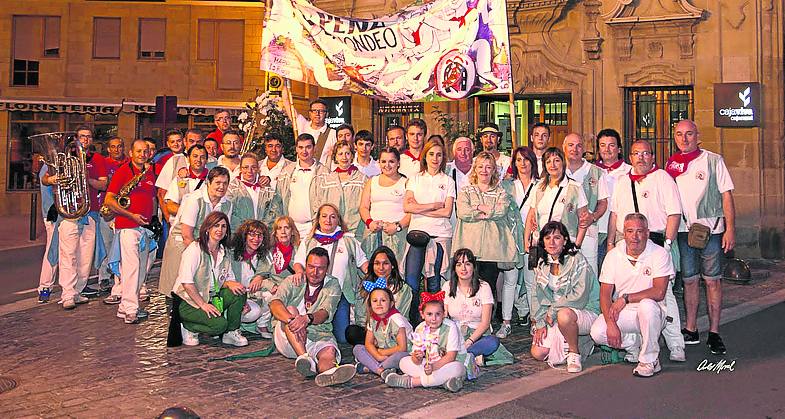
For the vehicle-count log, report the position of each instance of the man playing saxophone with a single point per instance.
(135, 182)
(77, 236)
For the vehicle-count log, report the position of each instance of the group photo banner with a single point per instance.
(442, 50)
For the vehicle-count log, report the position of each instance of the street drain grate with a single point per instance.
(7, 384)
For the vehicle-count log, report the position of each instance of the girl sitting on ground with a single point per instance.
(387, 340)
(437, 350)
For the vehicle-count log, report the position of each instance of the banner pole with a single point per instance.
(513, 123)
(292, 112)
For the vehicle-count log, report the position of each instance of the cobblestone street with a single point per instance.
(87, 363)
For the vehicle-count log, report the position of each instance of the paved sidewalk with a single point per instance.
(15, 232)
(87, 363)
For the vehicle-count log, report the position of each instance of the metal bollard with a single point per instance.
(33, 216)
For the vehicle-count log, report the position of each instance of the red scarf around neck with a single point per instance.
(382, 320)
(351, 169)
(679, 162)
(409, 153)
(638, 178)
(200, 176)
(610, 168)
(282, 256)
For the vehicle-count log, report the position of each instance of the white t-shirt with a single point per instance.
(232, 173)
(454, 336)
(466, 310)
(299, 206)
(657, 195)
(189, 209)
(371, 169)
(173, 191)
(580, 174)
(544, 206)
(169, 171)
(189, 263)
(692, 186)
(520, 193)
(304, 126)
(247, 272)
(274, 172)
(610, 183)
(617, 269)
(340, 266)
(426, 189)
(387, 201)
(410, 167)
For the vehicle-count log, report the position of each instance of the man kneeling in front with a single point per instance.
(633, 283)
(303, 311)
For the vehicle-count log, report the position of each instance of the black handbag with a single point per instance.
(535, 251)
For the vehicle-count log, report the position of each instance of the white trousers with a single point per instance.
(672, 330)
(259, 313)
(589, 249)
(509, 293)
(133, 269)
(645, 319)
(47, 278)
(524, 302)
(76, 256)
(438, 377)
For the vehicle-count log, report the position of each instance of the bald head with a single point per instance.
(573, 147)
(686, 136)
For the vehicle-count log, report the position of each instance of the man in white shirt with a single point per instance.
(231, 144)
(538, 140)
(592, 180)
(294, 184)
(395, 137)
(461, 166)
(633, 285)
(614, 167)
(186, 180)
(364, 145)
(489, 137)
(316, 125)
(272, 165)
(657, 198)
(416, 131)
(706, 194)
(177, 161)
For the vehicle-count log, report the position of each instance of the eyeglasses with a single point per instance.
(224, 119)
(642, 154)
(256, 234)
(319, 111)
(85, 136)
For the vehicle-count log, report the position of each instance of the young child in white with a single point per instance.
(437, 351)
(386, 338)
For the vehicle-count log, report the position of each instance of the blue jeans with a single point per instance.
(602, 250)
(706, 261)
(341, 320)
(485, 346)
(415, 260)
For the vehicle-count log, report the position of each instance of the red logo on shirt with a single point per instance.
(700, 175)
(476, 303)
(570, 207)
(645, 194)
(442, 186)
(647, 271)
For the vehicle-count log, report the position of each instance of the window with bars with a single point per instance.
(650, 114)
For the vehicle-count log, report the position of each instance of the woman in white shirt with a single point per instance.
(212, 299)
(381, 206)
(250, 246)
(429, 199)
(346, 257)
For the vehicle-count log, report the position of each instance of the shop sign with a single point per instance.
(59, 107)
(736, 105)
(403, 108)
(339, 110)
(185, 110)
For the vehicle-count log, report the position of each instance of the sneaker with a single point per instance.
(113, 299)
(234, 338)
(504, 331)
(264, 333)
(677, 355)
(454, 384)
(78, 299)
(131, 318)
(305, 366)
(691, 338)
(524, 321)
(647, 369)
(189, 338)
(69, 304)
(334, 376)
(398, 380)
(632, 356)
(387, 372)
(142, 314)
(43, 295)
(479, 360)
(90, 292)
(714, 341)
(361, 369)
(574, 362)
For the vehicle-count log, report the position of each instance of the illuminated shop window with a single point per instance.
(650, 114)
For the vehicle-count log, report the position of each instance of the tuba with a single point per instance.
(71, 194)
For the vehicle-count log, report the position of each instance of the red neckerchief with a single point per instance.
(679, 162)
(310, 300)
(383, 320)
(638, 178)
(200, 176)
(351, 169)
(409, 153)
(252, 185)
(282, 256)
(248, 256)
(327, 239)
(610, 168)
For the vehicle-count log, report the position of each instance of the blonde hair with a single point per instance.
(316, 225)
(339, 144)
(484, 155)
(277, 223)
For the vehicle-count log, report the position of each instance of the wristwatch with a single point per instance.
(398, 227)
(626, 298)
(310, 318)
(668, 242)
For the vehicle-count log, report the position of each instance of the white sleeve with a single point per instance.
(167, 172)
(189, 209)
(301, 123)
(663, 265)
(359, 254)
(485, 294)
(724, 181)
(411, 184)
(614, 204)
(670, 196)
(602, 188)
(299, 256)
(582, 201)
(451, 188)
(608, 268)
(173, 192)
(189, 263)
(454, 338)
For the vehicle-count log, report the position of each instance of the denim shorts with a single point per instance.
(706, 261)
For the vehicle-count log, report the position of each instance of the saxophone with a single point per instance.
(122, 196)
